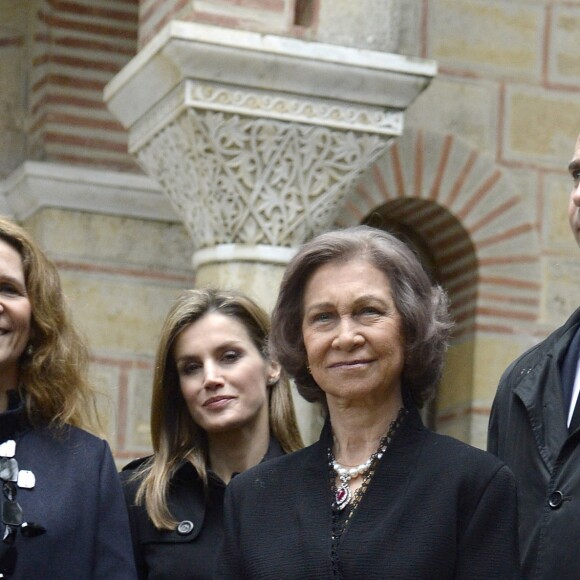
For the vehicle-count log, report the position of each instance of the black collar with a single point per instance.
(14, 418)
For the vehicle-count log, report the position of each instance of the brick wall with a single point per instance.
(76, 48)
(291, 17)
(12, 88)
(509, 85)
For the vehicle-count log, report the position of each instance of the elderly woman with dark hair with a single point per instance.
(361, 329)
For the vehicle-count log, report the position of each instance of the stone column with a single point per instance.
(256, 139)
(249, 188)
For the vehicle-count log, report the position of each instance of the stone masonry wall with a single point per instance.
(508, 87)
(13, 33)
(75, 49)
(120, 276)
(261, 15)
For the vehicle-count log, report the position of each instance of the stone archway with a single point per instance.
(476, 226)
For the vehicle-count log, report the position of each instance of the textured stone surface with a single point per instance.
(410, 37)
(260, 281)
(493, 355)
(120, 276)
(487, 37)
(561, 283)
(369, 24)
(456, 384)
(542, 125)
(113, 240)
(13, 19)
(467, 426)
(106, 379)
(120, 314)
(466, 108)
(564, 67)
(555, 227)
(138, 430)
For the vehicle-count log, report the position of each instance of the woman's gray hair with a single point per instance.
(423, 307)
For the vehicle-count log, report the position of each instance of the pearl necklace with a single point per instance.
(343, 495)
(345, 474)
(351, 472)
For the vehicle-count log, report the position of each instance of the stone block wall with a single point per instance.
(260, 15)
(120, 276)
(343, 22)
(13, 42)
(508, 87)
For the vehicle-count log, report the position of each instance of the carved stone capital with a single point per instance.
(246, 180)
(256, 139)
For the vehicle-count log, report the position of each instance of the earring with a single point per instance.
(29, 349)
(272, 381)
(308, 369)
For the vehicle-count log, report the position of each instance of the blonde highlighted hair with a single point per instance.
(175, 436)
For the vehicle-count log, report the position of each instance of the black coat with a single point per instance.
(77, 498)
(528, 431)
(189, 551)
(435, 508)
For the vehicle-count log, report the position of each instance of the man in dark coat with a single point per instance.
(534, 428)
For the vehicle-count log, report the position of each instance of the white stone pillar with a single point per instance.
(256, 139)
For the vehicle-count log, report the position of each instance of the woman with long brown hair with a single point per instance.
(63, 514)
(220, 405)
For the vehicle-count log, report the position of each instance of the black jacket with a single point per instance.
(435, 508)
(77, 498)
(528, 431)
(189, 551)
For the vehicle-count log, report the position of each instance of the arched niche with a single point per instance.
(465, 215)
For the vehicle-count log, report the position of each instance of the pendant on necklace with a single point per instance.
(343, 495)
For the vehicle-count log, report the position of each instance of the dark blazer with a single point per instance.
(528, 431)
(189, 551)
(77, 498)
(435, 508)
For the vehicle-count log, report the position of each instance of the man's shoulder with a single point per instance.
(535, 354)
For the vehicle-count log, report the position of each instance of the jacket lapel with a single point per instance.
(313, 514)
(391, 477)
(540, 390)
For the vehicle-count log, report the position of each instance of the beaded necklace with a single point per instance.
(343, 509)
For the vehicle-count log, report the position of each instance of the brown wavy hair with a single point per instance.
(423, 307)
(53, 371)
(175, 435)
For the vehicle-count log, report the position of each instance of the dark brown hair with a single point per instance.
(423, 307)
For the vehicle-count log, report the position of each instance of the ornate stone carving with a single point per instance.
(256, 138)
(234, 179)
(300, 110)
